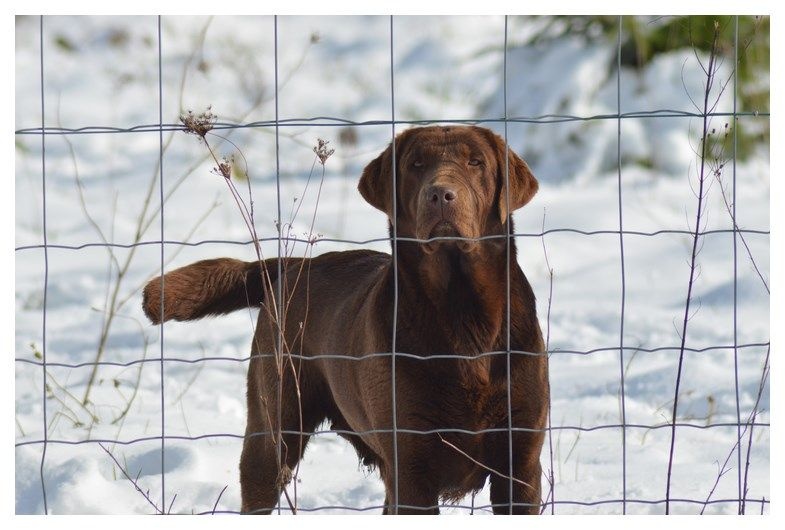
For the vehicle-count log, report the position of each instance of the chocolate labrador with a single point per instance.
(438, 416)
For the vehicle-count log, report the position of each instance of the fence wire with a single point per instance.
(326, 121)
(162, 199)
(46, 268)
(622, 392)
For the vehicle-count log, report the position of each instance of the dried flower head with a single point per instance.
(321, 150)
(224, 167)
(198, 124)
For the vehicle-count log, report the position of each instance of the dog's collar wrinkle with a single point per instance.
(466, 312)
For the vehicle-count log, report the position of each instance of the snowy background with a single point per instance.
(104, 187)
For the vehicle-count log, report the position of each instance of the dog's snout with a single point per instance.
(438, 195)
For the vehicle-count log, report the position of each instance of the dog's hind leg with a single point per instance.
(273, 448)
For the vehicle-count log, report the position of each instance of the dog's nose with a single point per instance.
(440, 195)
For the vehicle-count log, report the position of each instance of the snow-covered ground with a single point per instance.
(103, 71)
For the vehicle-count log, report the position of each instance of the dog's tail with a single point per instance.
(209, 287)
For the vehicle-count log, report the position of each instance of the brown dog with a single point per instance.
(452, 301)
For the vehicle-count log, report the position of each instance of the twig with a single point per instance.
(19, 426)
(215, 506)
(721, 473)
(129, 401)
(131, 480)
(142, 223)
(750, 424)
(549, 497)
(191, 381)
(201, 125)
(68, 394)
(169, 511)
(729, 208)
(519, 481)
(693, 257)
(551, 479)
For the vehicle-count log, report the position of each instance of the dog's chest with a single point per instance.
(486, 402)
(463, 395)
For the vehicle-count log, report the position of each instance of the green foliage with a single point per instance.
(643, 38)
(64, 43)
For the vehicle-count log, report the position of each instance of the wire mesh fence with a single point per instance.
(747, 420)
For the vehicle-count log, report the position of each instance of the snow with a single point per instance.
(105, 73)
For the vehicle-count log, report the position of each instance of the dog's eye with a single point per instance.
(475, 162)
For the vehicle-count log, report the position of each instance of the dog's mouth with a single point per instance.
(445, 229)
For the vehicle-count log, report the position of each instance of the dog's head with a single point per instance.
(451, 182)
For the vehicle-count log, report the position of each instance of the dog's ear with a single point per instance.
(523, 185)
(376, 182)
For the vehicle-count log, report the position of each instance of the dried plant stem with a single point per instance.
(747, 427)
(143, 221)
(133, 481)
(215, 506)
(477, 462)
(110, 310)
(201, 125)
(737, 230)
(551, 480)
(223, 168)
(145, 343)
(710, 76)
(286, 306)
(764, 377)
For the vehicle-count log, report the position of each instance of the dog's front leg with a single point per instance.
(412, 499)
(417, 491)
(526, 473)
